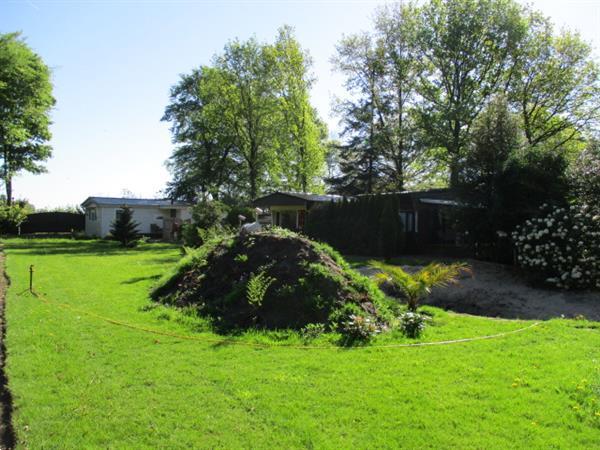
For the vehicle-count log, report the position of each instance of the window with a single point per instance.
(409, 221)
(118, 213)
(173, 213)
(91, 213)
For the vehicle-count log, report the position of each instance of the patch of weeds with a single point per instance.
(241, 258)
(312, 331)
(149, 307)
(585, 401)
(164, 315)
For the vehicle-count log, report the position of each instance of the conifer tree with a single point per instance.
(124, 229)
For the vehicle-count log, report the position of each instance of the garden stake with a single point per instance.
(31, 278)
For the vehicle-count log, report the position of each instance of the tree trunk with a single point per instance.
(454, 154)
(8, 184)
(400, 156)
(7, 179)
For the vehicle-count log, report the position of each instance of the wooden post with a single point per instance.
(31, 278)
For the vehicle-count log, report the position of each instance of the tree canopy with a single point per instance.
(25, 104)
(245, 123)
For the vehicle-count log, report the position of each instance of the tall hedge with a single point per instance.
(368, 225)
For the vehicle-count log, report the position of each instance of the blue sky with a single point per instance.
(113, 63)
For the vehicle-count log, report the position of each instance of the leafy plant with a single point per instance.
(241, 258)
(417, 286)
(359, 328)
(412, 324)
(12, 216)
(312, 331)
(257, 287)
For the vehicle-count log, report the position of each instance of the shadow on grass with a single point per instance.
(139, 279)
(79, 247)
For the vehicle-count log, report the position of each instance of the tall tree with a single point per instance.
(248, 107)
(361, 61)
(25, 104)
(395, 29)
(467, 48)
(495, 138)
(301, 134)
(201, 163)
(557, 87)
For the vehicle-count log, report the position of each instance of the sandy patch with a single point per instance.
(496, 290)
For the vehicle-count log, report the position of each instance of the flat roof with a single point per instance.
(302, 196)
(122, 201)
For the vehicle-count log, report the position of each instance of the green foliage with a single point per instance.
(257, 286)
(467, 49)
(209, 213)
(241, 257)
(25, 102)
(365, 225)
(245, 123)
(418, 285)
(418, 83)
(124, 229)
(412, 324)
(561, 246)
(503, 181)
(232, 218)
(303, 280)
(307, 397)
(312, 331)
(383, 148)
(556, 85)
(359, 329)
(585, 175)
(12, 216)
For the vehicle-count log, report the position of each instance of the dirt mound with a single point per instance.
(309, 283)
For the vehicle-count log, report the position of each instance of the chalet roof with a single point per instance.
(120, 201)
(295, 197)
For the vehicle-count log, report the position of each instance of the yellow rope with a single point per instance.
(45, 299)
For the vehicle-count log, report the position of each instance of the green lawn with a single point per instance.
(82, 382)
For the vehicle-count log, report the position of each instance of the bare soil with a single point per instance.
(7, 435)
(497, 290)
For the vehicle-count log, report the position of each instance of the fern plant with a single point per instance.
(257, 286)
(417, 286)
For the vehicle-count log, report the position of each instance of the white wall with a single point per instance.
(144, 215)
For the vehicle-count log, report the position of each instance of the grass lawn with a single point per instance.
(81, 382)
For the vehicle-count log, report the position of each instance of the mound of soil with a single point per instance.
(311, 283)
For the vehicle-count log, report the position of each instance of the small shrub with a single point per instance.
(312, 331)
(257, 287)
(417, 286)
(190, 235)
(124, 229)
(11, 217)
(241, 258)
(412, 324)
(359, 328)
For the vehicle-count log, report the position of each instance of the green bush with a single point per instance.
(124, 229)
(11, 217)
(412, 324)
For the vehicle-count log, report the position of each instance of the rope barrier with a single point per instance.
(109, 320)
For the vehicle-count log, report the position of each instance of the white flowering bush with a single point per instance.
(359, 328)
(562, 246)
(412, 324)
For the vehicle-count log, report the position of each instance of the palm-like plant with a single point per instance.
(418, 285)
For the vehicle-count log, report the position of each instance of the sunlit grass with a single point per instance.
(80, 382)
